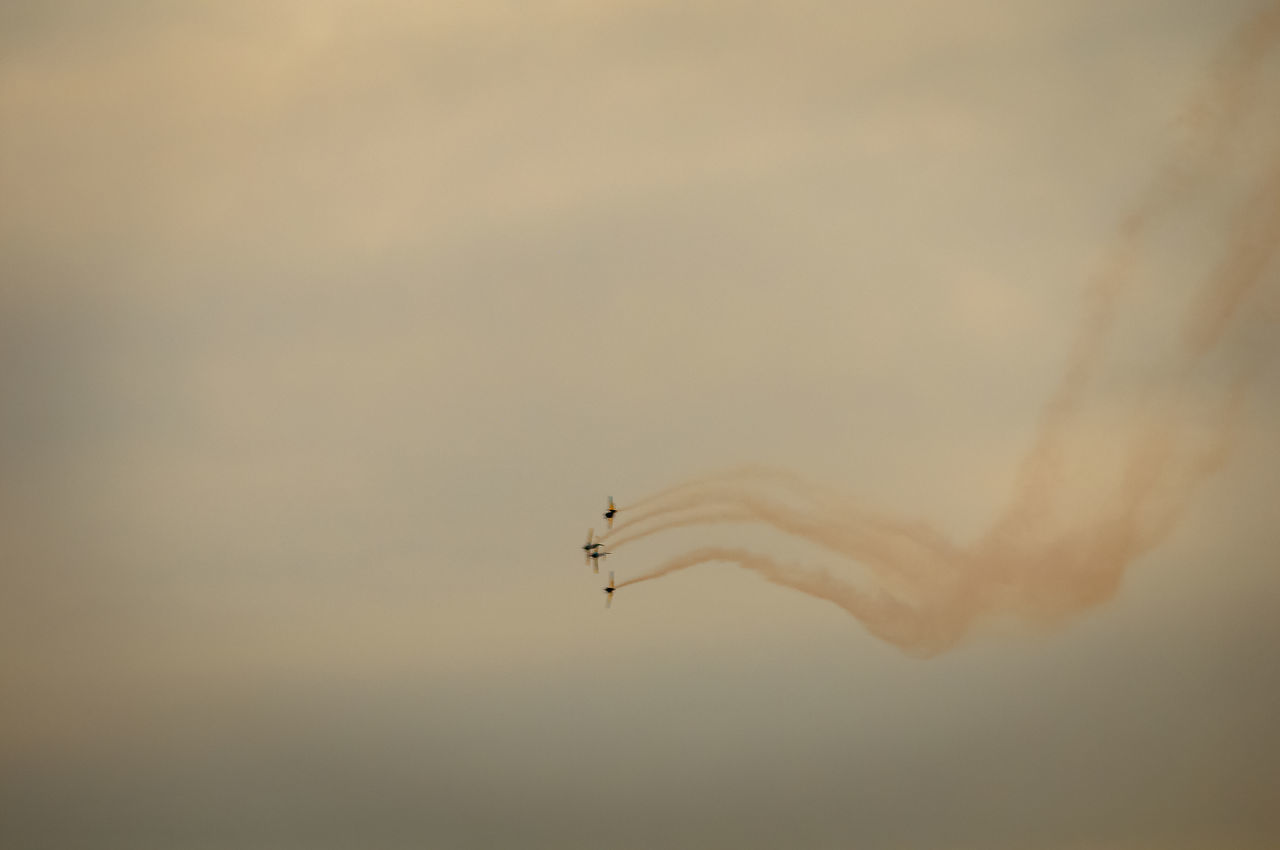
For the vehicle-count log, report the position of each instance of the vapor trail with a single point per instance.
(1042, 560)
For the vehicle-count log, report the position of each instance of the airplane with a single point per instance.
(613, 509)
(608, 591)
(588, 546)
(595, 560)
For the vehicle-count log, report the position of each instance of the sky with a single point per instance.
(327, 329)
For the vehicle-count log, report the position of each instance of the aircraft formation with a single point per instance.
(593, 550)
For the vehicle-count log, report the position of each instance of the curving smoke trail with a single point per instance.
(1041, 560)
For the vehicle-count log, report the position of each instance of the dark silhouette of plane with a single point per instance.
(588, 546)
(608, 591)
(595, 560)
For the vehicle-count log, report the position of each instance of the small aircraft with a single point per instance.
(595, 559)
(608, 591)
(613, 509)
(588, 546)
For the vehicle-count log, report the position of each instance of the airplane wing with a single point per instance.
(590, 533)
(608, 600)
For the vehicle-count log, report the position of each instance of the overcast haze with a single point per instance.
(327, 328)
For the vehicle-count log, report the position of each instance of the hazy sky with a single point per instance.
(326, 329)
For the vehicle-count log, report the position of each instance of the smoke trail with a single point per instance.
(702, 518)
(1258, 238)
(1037, 561)
(684, 495)
(662, 494)
(882, 614)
